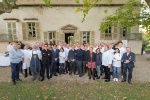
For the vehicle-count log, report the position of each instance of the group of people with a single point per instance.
(108, 58)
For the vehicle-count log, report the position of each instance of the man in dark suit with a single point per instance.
(46, 60)
(54, 61)
(128, 59)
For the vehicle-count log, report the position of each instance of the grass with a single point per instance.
(97, 90)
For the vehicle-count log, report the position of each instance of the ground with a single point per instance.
(66, 87)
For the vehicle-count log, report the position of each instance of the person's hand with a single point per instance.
(55, 59)
(109, 66)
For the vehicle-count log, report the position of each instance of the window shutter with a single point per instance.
(46, 37)
(80, 37)
(92, 38)
(37, 31)
(57, 38)
(77, 37)
(62, 37)
(24, 31)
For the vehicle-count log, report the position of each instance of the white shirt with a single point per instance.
(38, 52)
(106, 58)
(117, 60)
(112, 53)
(9, 47)
(26, 53)
(94, 49)
(67, 51)
(102, 50)
(62, 57)
(122, 50)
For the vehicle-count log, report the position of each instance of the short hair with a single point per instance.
(120, 42)
(62, 49)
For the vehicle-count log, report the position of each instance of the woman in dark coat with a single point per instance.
(98, 62)
(91, 63)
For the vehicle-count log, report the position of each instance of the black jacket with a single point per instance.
(85, 55)
(46, 56)
(98, 59)
(71, 55)
(93, 57)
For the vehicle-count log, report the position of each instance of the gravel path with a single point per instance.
(141, 73)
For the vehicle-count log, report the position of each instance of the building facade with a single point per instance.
(33, 21)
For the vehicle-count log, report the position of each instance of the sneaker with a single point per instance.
(117, 79)
(114, 79)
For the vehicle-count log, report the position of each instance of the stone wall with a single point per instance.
(136, 46)
(3, 47)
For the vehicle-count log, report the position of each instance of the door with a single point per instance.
(69, 37)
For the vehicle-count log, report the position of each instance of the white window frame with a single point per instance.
(85, 37)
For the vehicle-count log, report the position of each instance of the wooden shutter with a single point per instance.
(92, 38)
(62, 37)
(80, 37)
(57, 38)
(24, 31)
(37, 31)
(46, 37)
(115, 32)
(14, 32)
(77, 37)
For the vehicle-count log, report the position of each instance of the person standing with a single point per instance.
(35, 64)
(26, 64)
(128, 59)
(15, 58)
(46, 58)
(106, 62)
(54, 61)
(62, 58)
(9, 47)
(79, 59)
(91, 63)
(66, 50)
(71, 60)
(122, 51)
(116, 64)
(85, 60)
(98, 62)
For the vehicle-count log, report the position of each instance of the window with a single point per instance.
(124, 31)
(12, 30)
(30, 31)
(52, 37)
(108, 32)
(86, 37)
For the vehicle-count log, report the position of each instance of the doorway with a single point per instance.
(69, 38)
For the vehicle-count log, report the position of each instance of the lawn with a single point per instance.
(97, 90)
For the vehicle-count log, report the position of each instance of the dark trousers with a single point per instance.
(130, 70)
(62, 65)
(102, 69)
(20, 68)
(107, 72)
(121, 68)
(79, 66)
(53, 68)
(26, 71)
(67, 67)
(84, 68)
(72, 66)
(45, 67)
(15, 67)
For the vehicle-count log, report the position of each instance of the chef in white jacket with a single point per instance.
(106, 62)
(67, 67)
(26, 63)
(62, 59)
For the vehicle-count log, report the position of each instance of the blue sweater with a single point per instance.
(16, 56)
(79, 55)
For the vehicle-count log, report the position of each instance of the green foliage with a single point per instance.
(63, 90)
(48, 3)
(7, 6)
(146, 40)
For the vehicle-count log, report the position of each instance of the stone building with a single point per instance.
(33, 21)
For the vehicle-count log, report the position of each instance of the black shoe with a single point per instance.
(14, 82)
(25, 76)
(104, 78)
(18, 80)
(93, 78)
(123, 81)
(80, 75)
(70, 73)
(107, 80)
(98, 77)
(50, 76)
(55, 75)
(129, 82)
(42, 79)
(89, 77)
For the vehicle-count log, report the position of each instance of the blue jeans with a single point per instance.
(98, 70)
(79, 65)
(62, 66)
(116, 71)
(15, 67)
